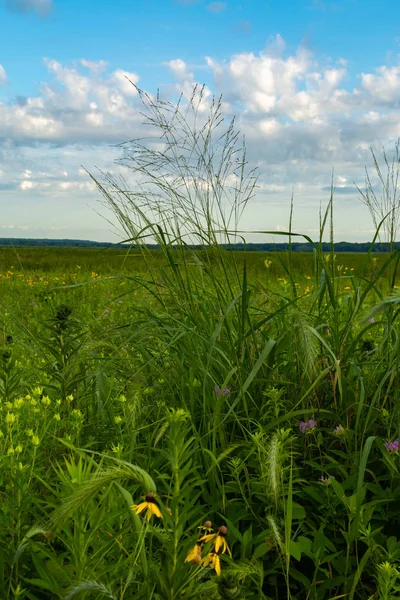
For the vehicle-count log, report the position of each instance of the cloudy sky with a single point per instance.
(314, 85)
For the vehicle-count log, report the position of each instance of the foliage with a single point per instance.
(190, 423)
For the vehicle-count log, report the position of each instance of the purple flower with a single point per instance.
(225, 392)
(371, 320)
(309, 426)
(392, 446)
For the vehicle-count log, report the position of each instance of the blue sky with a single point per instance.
(314, 85)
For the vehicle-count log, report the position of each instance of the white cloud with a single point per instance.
(3, 76)
(42, 7)
(383, 87)
(124, 80)
(299, 115)
(96, 67)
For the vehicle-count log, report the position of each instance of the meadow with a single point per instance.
(181, 423)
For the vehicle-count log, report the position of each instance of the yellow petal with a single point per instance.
(193, 553)
(154, 510)
(216, 564)
(219, 543)
(207, 538)
(207, 559)
(138, 508)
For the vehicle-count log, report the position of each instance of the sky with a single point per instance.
(314, 85)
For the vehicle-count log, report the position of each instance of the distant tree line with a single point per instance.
(252, 247)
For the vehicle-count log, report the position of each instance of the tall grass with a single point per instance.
(253, 420)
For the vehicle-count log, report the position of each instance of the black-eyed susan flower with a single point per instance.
(220, 545)
(149, 505)
(212, 560)
(194, 555)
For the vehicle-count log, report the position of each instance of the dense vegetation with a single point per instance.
(181, 424)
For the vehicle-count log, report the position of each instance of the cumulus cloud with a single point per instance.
(383, 86)
(3, 76)
(42, 7)
(74, 107)
(299, 113)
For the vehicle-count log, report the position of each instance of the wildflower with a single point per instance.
(339, 430)
(117, 420)
(392, 446)
(194, 555)
(57, 417)
(225, 392)
(18, 403)
(213, 561)
(267, 263)
(18, 449)
(35, 440)
(10, 418)
(326, 480)
(46, 401)
(70, 398)
(149, 505)
(371, 320)
(76, 414)
(309, 426)
(220, 545)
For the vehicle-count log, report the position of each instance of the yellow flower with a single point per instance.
(220, 545)
(150, 506)
(212, 560)
(194, 554)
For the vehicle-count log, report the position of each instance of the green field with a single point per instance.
(255, 396)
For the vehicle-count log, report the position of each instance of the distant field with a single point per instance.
(254, 396)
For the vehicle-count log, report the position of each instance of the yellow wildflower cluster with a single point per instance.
(219, 546)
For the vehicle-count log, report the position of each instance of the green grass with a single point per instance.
(190, 424)
(125, 404)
